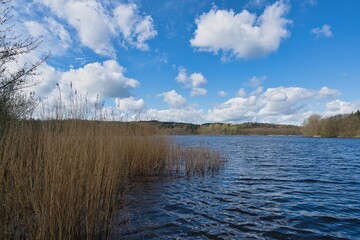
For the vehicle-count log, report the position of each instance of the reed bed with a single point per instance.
(65, 179)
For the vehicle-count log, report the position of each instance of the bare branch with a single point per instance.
(14, 102)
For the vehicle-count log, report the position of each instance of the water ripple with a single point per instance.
(271, 188)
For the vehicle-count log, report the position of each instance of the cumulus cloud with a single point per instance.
(98, 26)
(91, 22)
(289, 105)
(281, 105)
(234, 109)
(105, 79)
(340, 107)
(101, 80)
(130, 104)
(326, 92)
(281, 94)
(173, 99)
(324, 31)
(187, 114)
(135, 29)
(194, 81)
(243, 34)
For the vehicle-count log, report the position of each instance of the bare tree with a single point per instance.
(312, 125)
(14, 102)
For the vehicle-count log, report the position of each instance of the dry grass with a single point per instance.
(64, 179)
(196, 161)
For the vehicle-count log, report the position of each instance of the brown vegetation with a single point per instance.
(64, 179)
(337, 126)
(248, 128)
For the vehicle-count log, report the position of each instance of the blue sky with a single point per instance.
(200, 61)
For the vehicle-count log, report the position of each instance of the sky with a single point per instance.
(195, 61)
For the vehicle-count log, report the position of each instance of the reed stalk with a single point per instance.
(64, 179)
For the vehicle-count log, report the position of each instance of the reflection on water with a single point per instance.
(271, 188)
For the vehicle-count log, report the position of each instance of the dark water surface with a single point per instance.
(270, 188)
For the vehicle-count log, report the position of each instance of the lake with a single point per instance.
(271, 188)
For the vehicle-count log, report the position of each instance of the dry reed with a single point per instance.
(64, 179)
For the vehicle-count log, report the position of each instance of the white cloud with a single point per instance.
(187, 114)
(54, 35)
(340, 107)
(278, 105)
(59, 30)
(273, 95)
(46, 81)
(198, 92)
(286, 107)
(222, 93)
(235, 109)
(324, 31)
(326, 92)
(241, 93)
(173, 99)
(35, 29)
(242, 35)
(98, 26)
(135, 28)
(183, 78)
(130, 104)
(197, 79)
(126, 19)
(255, 81)
(92, 24)
(281, 94)
(258, 90)
(76, 88)
(194, 81)
(105, 79)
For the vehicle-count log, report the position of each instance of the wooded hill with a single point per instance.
(249, 128)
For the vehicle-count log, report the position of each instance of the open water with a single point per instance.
(270, 188)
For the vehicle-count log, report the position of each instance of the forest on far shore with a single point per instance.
(248, 128)
(347, 125)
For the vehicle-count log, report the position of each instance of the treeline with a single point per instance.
(249, 128)
(347, 125)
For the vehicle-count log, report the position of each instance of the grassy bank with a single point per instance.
(64, 179)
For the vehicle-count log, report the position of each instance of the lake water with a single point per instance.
(270, 188)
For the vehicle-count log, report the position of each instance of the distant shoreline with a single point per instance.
(226, 129)
(240, 129)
